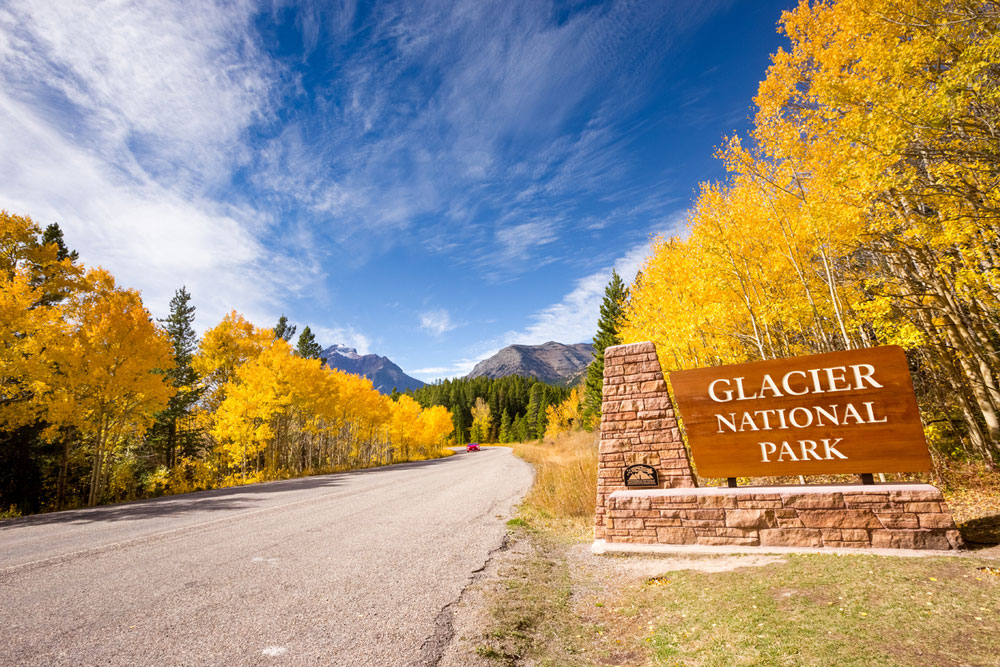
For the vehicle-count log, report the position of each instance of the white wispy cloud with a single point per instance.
(120, 120)
(347, 335)
(436, 321)
(460, 103)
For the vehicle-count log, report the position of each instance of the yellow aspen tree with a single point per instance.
(564, 417)
(31, 328)
(110, 389)
(435, 426)
(480, 420)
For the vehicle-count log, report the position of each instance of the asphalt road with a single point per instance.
(349, 569)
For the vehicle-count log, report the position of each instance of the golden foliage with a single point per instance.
(866, 211)
(565, 417)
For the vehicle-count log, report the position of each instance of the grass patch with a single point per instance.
(819, 609)
(565, 489)
(531, 618)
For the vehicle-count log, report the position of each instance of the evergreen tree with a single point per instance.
(541, 422)
(283, 329)
(608, 328)
(307, 347)
(53, 234)
(505, 434)
(531, 412)
(168, 431)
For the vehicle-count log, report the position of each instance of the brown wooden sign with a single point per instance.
(842, 412)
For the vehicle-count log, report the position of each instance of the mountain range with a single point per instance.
(555, 363)
(384, 374)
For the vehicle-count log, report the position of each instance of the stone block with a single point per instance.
(855, 535)
(676, 535)
(725, 502)
(854, 498)
(727, 532)
(759, 504)
(791, 537)
(898, 520)
(924, 507)
(663, 522)
(916, 495)
(839, 519)
(942, 520)
(715, 515)
(653, 387)
(846, 544)
(750, 518)
(814, 500)
(910, 539)
(716, 540)
(635, 502)
(794, 522)
(868, 504)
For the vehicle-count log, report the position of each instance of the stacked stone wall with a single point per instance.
(638, 425)
(896, 516)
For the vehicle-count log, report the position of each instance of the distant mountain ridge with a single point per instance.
(384, 374)
(555, 363)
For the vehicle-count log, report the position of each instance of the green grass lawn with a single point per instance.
(822, 610)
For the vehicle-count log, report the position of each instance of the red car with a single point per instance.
(472, 447)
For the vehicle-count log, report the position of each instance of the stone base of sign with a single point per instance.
(881, 516)
(638, 425)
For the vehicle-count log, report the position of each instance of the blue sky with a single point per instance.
(426, 180)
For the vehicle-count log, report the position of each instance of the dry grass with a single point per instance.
(565, 489)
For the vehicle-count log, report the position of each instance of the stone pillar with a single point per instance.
(638, 425)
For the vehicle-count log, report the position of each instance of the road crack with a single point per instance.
(434, 647)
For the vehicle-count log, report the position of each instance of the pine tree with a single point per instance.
(608, 334)
(53, 235)
(169, 431)
(283, 329)
(542, 421)
(307, 347)
(505, 434)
